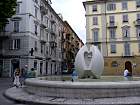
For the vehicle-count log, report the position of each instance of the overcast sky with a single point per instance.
(73, 11)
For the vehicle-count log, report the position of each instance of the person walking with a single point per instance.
(23, 76)
(16, 77)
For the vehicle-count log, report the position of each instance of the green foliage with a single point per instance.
(7, 10)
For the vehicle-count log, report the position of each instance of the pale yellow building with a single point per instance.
(114, 26)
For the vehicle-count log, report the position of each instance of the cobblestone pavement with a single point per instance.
(6, 83)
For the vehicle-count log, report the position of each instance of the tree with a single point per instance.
(7, 10)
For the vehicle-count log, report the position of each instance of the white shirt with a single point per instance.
(126, 72)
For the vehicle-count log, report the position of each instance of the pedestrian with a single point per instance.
(31, 73)
(16, 77)
(23, 76)
(126, 73)
(74, 76)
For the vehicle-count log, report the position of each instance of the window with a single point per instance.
(113, 48)
(111, 7)
(111, 19)
(139, 46)
(124, 5)
(41, 68)
(1, 44)
(42, 16)
(16, 26)
(42, 48)
(94, 7)
(36, 11)
(41, 32)
(14, 44)
(95, 35)
(127, 49)
(47, 21)
(35, 65)
(47, 36)
(138, 3)
(138, 31)
(35, 29)
(112, 33)
(35, 46)
(36, 1)
(138, 16)
(114, 64)
(126, 31)
(18, 8)
(95, 21)
(125, 18)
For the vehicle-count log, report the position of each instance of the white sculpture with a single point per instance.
(89, 62)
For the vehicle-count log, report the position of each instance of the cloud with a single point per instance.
(72, 11)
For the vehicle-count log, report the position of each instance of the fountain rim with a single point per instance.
(77, 85)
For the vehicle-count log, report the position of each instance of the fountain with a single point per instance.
(89, 62)
(89, 89)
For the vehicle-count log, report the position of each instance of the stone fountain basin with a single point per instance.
(81, 90)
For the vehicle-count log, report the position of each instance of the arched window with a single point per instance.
(114, 64)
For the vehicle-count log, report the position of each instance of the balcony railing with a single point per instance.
(137, 22)
(5, 35)
(48, 57)
(53, 44)
(112, 25)
(52, 31)
(52, 21)
(43, 24)
(43, 9)
(43, 39)
(128, 54)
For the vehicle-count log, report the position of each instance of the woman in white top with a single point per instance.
(126, 72)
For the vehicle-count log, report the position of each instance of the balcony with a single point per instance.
(137, 23)
(53, 44)
(127, 55)
(52, 31)
(42, 40)
(48, 57)
(112, 25)
(52, 21)
(43, 24)
(4, 35)
(2, 51)
(43, 9)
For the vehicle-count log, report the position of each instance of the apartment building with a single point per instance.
(71, 45)
(32, 39)
(114, 26)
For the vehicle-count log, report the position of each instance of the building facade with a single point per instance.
(32, 39)
(114, 26)
(71, 45)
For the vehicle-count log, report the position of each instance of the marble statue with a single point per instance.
(89, 62)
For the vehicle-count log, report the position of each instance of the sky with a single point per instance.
(72, 11)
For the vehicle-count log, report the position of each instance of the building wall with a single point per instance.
(27, 36)
(104, 39)
(39, 48)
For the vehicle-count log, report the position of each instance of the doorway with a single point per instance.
(15, 64)
(1, 67)
(128, 66)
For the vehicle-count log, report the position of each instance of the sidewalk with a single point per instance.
(5, 83)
